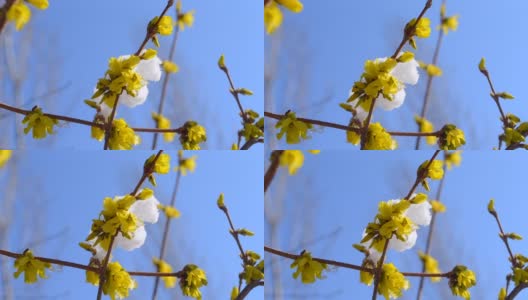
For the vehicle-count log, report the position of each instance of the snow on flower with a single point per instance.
(405, 73)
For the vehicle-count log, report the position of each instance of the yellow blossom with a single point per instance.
(426, 127)
(163, 123)
(162, 165)
(423, 28)
(31, 267)
(186, 164)
(294, 129)
(163, 267)
(314, 151)
(40, 4)
(170, 211)
(165, 25)
(122, 137)
(448, 23)
(461, 280)
(193, 134)
(438, 206)
(431, 265)
(293, 5)
(191, 282)
(378, 139)
(435, 170)
(272, 17)
(451, 138)
(452, 159)
(19, 13)
(292, 159)
(170, 67)
(118, 281)
(40, 124)
(308, 268)
(392, 282)
(185, 19)
(5, 155)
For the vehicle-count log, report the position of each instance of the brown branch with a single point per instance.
(516, 291)
(379, 269)
(3, 13)
(272, 169)
(349, 128)
(250, 143)
(347, 265)
(247, 289)
(83, 122)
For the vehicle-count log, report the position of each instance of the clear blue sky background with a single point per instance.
(84, 35)
(70, 187)
(337, 37)
(335, 191)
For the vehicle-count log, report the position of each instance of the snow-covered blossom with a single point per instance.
(405, 73)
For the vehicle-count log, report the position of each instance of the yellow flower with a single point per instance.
(294, 5)
(170, 67)
(122, 137)
(461, 280)
(435, 170)
(170, 211)
(378, 139)
(162, 165)
(5, 155)
(165, 25)
(314, 151)
(423, 28)
(452, 159)
(438, 206)
(31, 267)
(294, 129)
(292, 159)
(353, 137)
(118, 281)
(40, 124)
(431, 265)
(392, 282)
(502, 294)
(390, 220)
(97, 133)
(426, 127)
(164, 267)
(234, 293)
(186, 19)
(19, 13)
(451, 138)
(193, 134)
(432, 70)
(186, 164)
(40, 4)
(376, 80)
(272, 17)
(448, 23)
(163, 123)
(192, 280)
(309, 269)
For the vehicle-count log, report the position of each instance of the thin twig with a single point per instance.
(3, 13)
(166, 231)
(247, 289)
(349, 128)
(272, 169)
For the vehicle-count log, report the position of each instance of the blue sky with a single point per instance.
(333, 39)
(329, 203)
(82, 36)
(61, 191)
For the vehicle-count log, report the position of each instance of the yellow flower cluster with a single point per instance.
(184, 18)
(185, 164)
(452, 159)
(118, 281)
(163, 267)
(426, 127)
(114, 217)
(422, 30)
(40, 124)
(163, 123)
(191, 282)
(448, 23)
(31, 267)
(461, 280)
(193, 134)
(294, 129)
(292, 159)
(308, 268)
(390, 220)
(20, 13)
(451, 138)
(253, 127)
(122, 137)
(435, 171)
(392, 282)
(431, 265)
(379, 139)
(273, 15)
